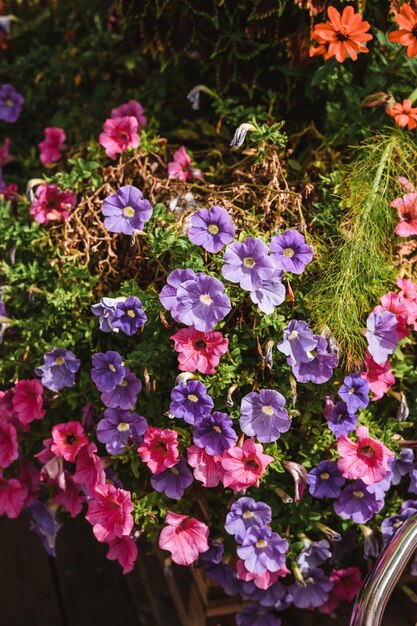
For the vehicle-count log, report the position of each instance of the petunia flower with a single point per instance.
(290, 252)
(407, 213)
(345, 34)
(354, 392)
(5, 156)
(198, 350)
(58, 369)
(27, 400)
(180, 168)
(325, 480)
(104, 310)
(67, 440)
(245, 513)
(346, 585)
(404, 114)
(406, 19)
(379, 376)
(248, 263)
(52, 145)
(11, 104)
(9, 447)
(244, 465)
(89, 472)
(298, 342)
(159, 449)
(211, 229)
(240, 134)
(129, 316)
(320, 368)
(312, 591)
(202, 302)
(13, 495)
(173, 481)
(71, 497)
(45, 525)
(125, 394)
(313, 554)
(366, 459)
(169, 292)
(132, 108)
(190, 401)
(110, 513)
(262, 550)
(214, 433)
(125, 551)
(262, 581)
(118, 135)
(108, 370)
(126, 210)
(118, 428)
(262, 414)
(208, 468)
(184, 537)
(269, 294)
(357, 503)
(382, 335)
(52, 204)
(254, 615)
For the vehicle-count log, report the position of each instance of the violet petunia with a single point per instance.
(313, 554)
(125, 394)
(382, 335)
(173, 481)
(263, 415)
(402, 466)
(104, 310)
(290, 251)
(129, 316)
(325, 480)
(11, 103)
(269, 294)
(211, 229)
(126, 210)
(298, 342)
(355, 392)
(340, 421)
(108, 370)
(45, 525)
(190, 401)
(202, 302)
(320, 369)
(314, 590)
(358, 503)
(169, 292)
(254, 615)
(58, 369)
(118, 427)
(214, 433)
(245, 513)
(262, 550)
(248, 263)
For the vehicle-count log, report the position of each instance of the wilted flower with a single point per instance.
(299, 474)
(240, 134)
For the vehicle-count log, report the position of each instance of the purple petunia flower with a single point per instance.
(313, 554)
(275, 597)
(325, 480)
(413, 480)
(313, 592)
(224, 576)
(262, 550)
(211, 229)
(248, 263)
(173, 481)
(126, 211)
(245, 513)
(118, 427)
(104, 310)
(390, 524)
(269, 294)
(355, 392)
(190, 401)
(45, 525)
(320, 369)
(202, 302)
(340, 421)
(129, 316)
(254, 615)
(108, 370)
(290, 252)
(262, 414)
(214, 433)
(58, 369)
(402, 466)
(169, 293)
(125, 394)
(214, 554)
(358, 503)
(382, 335)
(11, 104)
(298, 342)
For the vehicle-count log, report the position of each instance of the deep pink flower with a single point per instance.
(7, 412)
(366, 459)
(52, 204)
(159, 449)
(124, 550)
(89, 468)
(67, 440)
(71, 498)
(5, 156)
(404, 309)
(27, 400)
(199, 351)
(185, 537)
(52, 145)
(262, 581)
(110, 513)
(180, 167)
(207, 469)
(132, 108)
(9, 447)
(29, 477)
(118, 135)
(244, 466)
(12, 497)
(407, 212)
(379, 377)
(347, 584)
(408, 288)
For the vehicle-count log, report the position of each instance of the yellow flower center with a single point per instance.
(59, 360)
(261, 543)
(131, 313)
(111, 367)
(122, 427)
(293, 335)
(213, 229)
(128, 211)
(358, 494)
(217, 429)
(351, 390)
(10, 102)
(192, 397)
(325, 476)
(248, 262)
(205, 299)
(289, 252)
(248, 515)
(268, 410)
(123, 383)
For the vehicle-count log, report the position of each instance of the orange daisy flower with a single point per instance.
(343, 35)
(404, 114)
(407, 35)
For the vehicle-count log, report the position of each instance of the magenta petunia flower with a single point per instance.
(125, 394)
(208, 469)
(358, 503)
(89, 471)
(52, 145)
(126, 210)
(13, 495)
(108, 370)
(262, 414)
(180, 167)
(5, 156)
(110, 513)
(407, 213)
(382, 335)
(71, 498)
(118, 135)
(202, 302)
(366, 459)
(214, 433)
(244, 465)
(262, 550)
(159, 449)
(212, 229)
(129, 316)
(9, 447)
(11, 104)
(125, 551)
(28, 401)
(248, 263)
(190, 401)
(52, 204)
(173, 481)
(290, 252)
(379, 376)
(320, 369)
(184, 537)
(199, 351)
(67, 440)
(132, 108)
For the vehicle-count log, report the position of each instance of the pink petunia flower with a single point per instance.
(404, 309)
(71, 498)
(29, 477)
(67, 440)
(12, 497)
(185, 537)
(52, 145)
(7, 412)
(407, 212)
(180, 167)
(5, 156)
(159, 449)
(27, 400)
(366, 459)
(9, 447)
(379, 377)
(198, 350)
(408, 288)
(244, 465)
(110, 513)
(262, 581)
(118, 135)
(89, 469)
(53, 466)
(132, 108)
(207, 469)
(52, 204)
(124, 550)
(347, 584)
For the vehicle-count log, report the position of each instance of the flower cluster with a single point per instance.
(121, 130)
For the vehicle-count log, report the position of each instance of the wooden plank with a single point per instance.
(27, 591)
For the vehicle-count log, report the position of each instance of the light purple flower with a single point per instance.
(313, 554)
(248, 263)
(298, 342)
(340, 421)
(108, 370)
(129, 316)
(245, 513)
(275, 597)
(356, 502)
(173, 481)
(126, 211)
(118, 427)
(58, 369)
(11, 103)
(214, 433)
(382, 335)
(190, 401)
(262, 550)
(125, 394)
(402, 466)
(254, 615)
(269, 294)
(211, 229)
(325, 480)
(314, 592)
(202, 302)
(290, 251)
(45, 525)
(169, 293)
(104, 310)
(320, 369)
(262, 414)
(355, 392)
